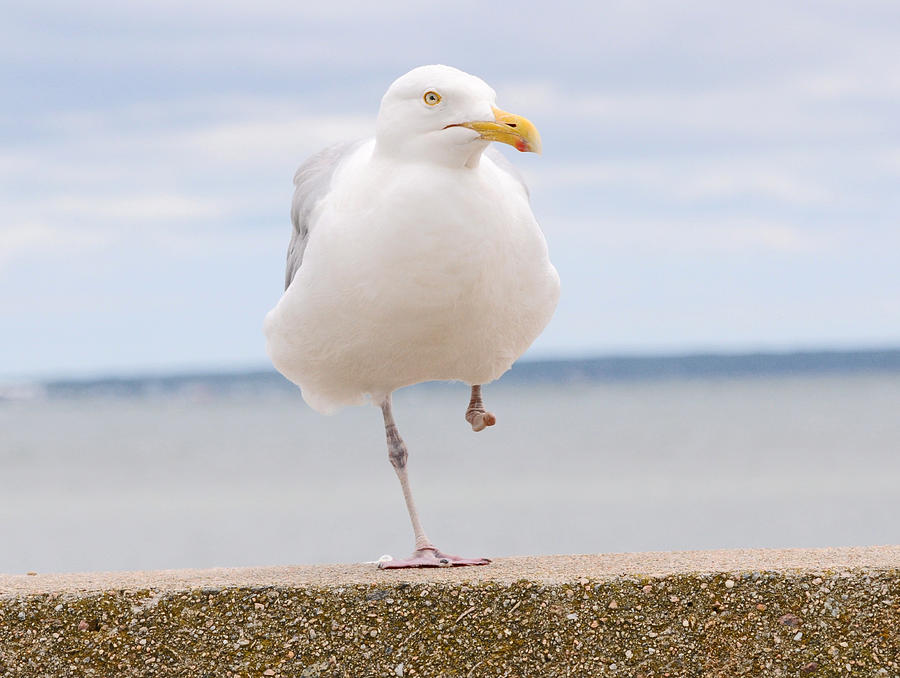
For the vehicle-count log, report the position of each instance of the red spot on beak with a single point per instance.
(521, 145)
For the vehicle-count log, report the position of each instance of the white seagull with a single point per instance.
(414, 257)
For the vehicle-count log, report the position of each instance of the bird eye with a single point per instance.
(432, 98)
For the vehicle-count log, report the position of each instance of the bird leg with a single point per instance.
(476, 415)
(426, 553)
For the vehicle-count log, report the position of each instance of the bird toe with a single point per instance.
(482, 420)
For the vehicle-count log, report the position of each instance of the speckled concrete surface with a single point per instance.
(811, 612)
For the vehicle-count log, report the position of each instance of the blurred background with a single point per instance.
(720, 191)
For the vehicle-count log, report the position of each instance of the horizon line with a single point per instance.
(113, 375)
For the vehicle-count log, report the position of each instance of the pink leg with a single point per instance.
(426, 554)
(476, 415)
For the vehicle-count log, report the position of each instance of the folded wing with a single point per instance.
(312, 182)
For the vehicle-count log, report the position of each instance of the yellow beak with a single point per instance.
(509, 129)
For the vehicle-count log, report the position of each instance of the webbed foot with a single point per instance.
(430, 557)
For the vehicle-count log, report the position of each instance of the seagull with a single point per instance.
(414, 257)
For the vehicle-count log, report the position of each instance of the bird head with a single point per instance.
(442, 114)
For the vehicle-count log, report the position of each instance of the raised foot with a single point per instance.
(430, 557)
(481, 420)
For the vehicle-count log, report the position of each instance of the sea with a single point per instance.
(604, 455)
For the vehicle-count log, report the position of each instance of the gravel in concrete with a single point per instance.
(815, 612)
(545, 569)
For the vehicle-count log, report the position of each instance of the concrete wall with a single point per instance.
(828, 612)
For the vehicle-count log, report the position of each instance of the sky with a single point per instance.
(715, 176)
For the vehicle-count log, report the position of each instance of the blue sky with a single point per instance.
(715, 175)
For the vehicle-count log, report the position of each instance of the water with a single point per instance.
(173, 481)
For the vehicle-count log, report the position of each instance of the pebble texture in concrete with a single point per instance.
(813, 612)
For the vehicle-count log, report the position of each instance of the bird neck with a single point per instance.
(420, 151)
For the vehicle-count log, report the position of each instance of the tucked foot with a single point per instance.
(430, 557)
(476, 415)
(481, 420)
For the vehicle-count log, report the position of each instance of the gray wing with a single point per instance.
(504, 164)
(311, 183)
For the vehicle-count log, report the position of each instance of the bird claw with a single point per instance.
(481, 420)
(430, 557)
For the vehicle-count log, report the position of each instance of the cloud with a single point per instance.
(681, 235)
(136, 209)
(691, 180)
(890, 159)
(43, 241)
(238, 130)
(258, 142)
(769, 109)
(177, 174)
(163, 136)
(72, 225)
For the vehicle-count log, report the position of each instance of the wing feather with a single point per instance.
(312, 182)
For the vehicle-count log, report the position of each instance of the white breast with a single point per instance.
(412, 274)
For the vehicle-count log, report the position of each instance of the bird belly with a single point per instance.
(424, 287)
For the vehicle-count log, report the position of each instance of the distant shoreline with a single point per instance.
(699, 365)
(600, 369)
